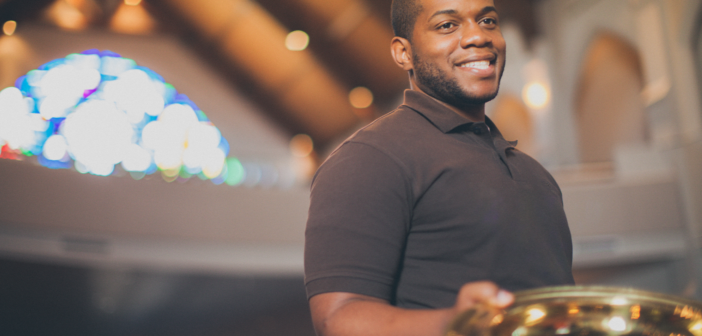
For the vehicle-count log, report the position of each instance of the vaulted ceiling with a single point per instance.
(303, 91)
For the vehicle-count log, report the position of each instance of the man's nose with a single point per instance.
(474, 36)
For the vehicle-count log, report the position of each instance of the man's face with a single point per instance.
(458, 51)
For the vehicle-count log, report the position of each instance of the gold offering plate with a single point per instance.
(584, 311)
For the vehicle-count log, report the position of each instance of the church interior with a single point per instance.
(604, 94)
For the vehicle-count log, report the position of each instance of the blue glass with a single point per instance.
(52, 64)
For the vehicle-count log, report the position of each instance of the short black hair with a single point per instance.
(404, 15)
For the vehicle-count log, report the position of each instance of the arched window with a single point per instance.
(697, 48)
(609, 108)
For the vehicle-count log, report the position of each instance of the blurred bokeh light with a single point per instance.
(9, 27)
(301, 145)
(361, 97)
(67, 15)
(297, 40)
(536, 95)
(132, 18)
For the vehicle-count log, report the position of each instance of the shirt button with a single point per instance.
(478, 131)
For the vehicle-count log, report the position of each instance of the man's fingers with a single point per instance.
(483, 292)
(503, 298)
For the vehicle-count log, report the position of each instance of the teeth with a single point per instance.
(477, 65)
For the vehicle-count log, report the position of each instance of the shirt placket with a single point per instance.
(483, 131)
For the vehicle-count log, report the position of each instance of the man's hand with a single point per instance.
(347, 314)
(483, 292)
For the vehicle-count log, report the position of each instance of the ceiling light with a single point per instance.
(132, 2)
(132, 19)
(360, 97)
(9, 27)
(66, 16)
(536, 95)
(301, 145)
(297, 40)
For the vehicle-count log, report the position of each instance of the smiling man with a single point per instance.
(429, 210)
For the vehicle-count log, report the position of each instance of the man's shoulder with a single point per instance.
(393, 129)
(387, 139)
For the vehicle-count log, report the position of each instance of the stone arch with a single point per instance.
(697, 48)
(610, 112)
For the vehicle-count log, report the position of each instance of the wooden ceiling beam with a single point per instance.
(252, 38)
(351, 39)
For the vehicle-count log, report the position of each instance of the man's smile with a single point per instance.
(481, 62)
(482, 65)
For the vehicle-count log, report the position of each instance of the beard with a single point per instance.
(440, 86)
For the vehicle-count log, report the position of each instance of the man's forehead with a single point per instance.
(431, 8)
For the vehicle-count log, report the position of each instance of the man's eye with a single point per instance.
(447, 25)
(490, 21)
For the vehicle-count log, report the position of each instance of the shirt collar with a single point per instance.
(439, 114)
(446, 119)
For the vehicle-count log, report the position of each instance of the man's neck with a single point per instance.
(474, 113)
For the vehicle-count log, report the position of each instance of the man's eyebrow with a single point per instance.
(488, 9)
(445, 11)
(485, 10)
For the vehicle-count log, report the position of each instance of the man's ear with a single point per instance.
(402, 53)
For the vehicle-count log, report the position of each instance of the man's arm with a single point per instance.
(347, 314)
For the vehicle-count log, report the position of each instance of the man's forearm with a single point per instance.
(348, 314)
(363, 316)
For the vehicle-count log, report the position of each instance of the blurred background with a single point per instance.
(605, 94)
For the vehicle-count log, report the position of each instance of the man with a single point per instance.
(429, 210)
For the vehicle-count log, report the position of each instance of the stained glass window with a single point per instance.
(96, 111)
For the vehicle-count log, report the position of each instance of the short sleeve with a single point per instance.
(358, 221)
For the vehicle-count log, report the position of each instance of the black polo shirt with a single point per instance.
(422, 200)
